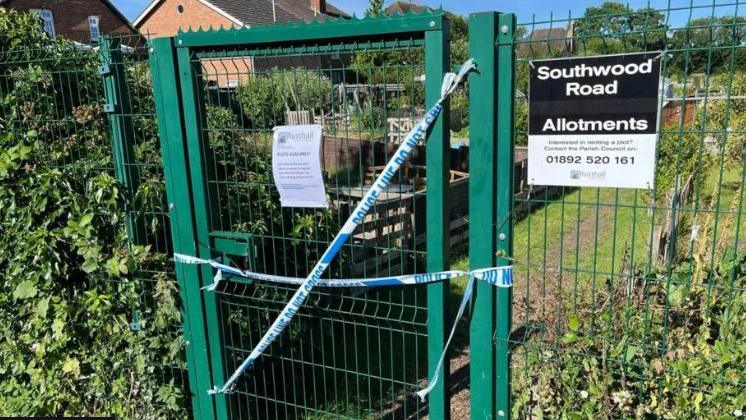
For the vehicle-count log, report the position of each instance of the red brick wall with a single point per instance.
(71, 17)
(165, 19)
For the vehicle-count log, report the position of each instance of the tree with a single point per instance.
(614, 27)
(648, 29)
(709, 45)
(375, 8)
(608, 19)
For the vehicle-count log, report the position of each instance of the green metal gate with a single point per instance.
(627, 302)
(349, 354)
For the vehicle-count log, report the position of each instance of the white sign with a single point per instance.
(296, 166)
(593, 121)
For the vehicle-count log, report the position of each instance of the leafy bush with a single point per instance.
(521, 122)
(729, 116)
(369, 118)
(680, 152)
(682, 357)
(265, 97)
(67, 345)
(70, 344)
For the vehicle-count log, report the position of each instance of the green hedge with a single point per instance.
(70, 280)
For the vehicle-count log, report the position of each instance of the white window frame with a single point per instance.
(94, 29)
(47, 17)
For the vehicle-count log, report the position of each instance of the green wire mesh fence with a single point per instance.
(350, 353)
(627, 302)
(622, 295)
(58, 94)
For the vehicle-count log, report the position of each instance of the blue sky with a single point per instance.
(523, 8)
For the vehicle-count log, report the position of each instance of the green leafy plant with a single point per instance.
(77, 336)
(265, 97)
(682, 357)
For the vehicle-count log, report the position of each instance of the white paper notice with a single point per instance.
(296, 166)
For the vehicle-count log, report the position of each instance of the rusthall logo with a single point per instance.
(574, 174)
(284, 138)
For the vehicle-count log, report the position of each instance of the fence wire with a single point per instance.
(351, 353)
(57, 94)
(616, 289)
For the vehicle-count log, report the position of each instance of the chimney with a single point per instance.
(318, 7)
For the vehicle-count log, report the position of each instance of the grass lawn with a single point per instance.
(571, 245)
(589, 230)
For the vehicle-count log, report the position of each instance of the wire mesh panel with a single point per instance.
(133, 137)
(55, 96)
(349, 353)
(626, 300)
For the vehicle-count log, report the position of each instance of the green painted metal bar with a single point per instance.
(482, 201)
(171, 132)
(119, 111)
(194, 121)
(316, 31)
(437, 63)
(504, 188)
(285, 51)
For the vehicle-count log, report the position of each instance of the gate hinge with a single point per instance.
(104, 69)
(109, 108)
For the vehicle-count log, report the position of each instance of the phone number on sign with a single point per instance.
(592, 160)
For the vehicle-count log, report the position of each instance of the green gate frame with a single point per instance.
(176, 86)
(491, 156)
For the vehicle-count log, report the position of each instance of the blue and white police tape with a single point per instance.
(402, 280)
(450, 83)
(496, 276)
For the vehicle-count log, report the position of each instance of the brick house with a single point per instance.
(83, 21)
(541, 42)
(167, 17)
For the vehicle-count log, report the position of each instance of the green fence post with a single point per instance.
(122, 130)
(437, 60)
(194, 122)
(504, 188)
(171, 131)
(482, 201)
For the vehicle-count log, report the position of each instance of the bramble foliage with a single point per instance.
(726, 118)
(683, 356)
(70, 278)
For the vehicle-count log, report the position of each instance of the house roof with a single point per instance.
(106, 3)
(546, 39)
(405, 7)
(258, 12)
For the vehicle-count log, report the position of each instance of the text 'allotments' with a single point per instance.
(593, 121)
(296, 166)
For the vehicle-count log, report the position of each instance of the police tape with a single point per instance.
(496, 276)
(450, 83)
